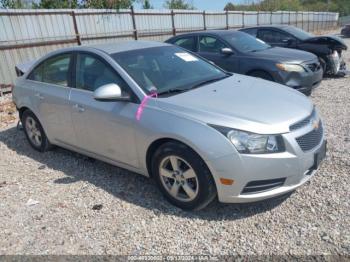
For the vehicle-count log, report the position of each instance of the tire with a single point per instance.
(323, 65)
(34, 132)
(262, 75)
(191, 175)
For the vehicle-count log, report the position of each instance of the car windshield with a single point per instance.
(298, 33)
(167, 69)
(244, 42)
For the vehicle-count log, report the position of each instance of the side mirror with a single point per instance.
(226, 51)
(110, 92)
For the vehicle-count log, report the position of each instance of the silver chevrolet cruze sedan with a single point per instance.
(160, 111)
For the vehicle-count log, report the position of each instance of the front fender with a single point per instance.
(157, 124)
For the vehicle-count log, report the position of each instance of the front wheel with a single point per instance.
(182, 176)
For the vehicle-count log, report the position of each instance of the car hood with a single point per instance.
(332, 41)
(242, 102)
(281, 54)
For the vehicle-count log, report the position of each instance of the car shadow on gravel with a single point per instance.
(125, 185)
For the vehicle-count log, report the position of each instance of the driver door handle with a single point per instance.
(79, 108)
(40, 96)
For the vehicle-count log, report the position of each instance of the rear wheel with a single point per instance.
(262, 75)
(35, 132)
(182, 176)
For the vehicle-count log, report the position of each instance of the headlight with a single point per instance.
(290, 67)
(250, 143)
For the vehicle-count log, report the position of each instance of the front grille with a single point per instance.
(314, 66)
(258, 186)
(312, 139)
(303, 122)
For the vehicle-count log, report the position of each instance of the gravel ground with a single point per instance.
(63, 203)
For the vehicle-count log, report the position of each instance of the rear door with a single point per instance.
(210, 47)
(51, 81)
(102, 128)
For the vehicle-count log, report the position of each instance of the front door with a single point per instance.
(210, 48)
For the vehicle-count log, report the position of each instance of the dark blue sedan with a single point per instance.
(241, 53)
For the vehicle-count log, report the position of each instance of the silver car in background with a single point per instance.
(157, 110)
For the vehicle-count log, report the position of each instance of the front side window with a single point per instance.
(272, 36)
(54, 70)
(210, 44)
(92, 73)
(188, 43)
(166, 68)
(298, 33)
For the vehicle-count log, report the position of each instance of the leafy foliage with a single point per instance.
(53, 4)
(340, 6)
(109, 4)
(146, 5)
(177, 4)
(11, 4)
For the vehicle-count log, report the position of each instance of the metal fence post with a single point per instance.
(271, 18)
(302, 20)
(204, 23)
(243, 19)
(227, 27)
(257, 18)
(76, 28)
(173, 22)
(133, 22)
(289, 18)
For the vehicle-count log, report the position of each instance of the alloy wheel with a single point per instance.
(33, 131)
(178, 178)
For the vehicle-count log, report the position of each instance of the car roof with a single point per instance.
(209, 32)
(267, 26)
(111, 48)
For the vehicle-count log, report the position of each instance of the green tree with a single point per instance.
(11, 4)
(177, 4)
(108, 4)
(229, 7)
(146, 5)
(53, 4)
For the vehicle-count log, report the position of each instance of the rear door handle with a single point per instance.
(79, 108)
(40, 96)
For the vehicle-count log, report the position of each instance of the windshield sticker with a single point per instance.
(186, 57)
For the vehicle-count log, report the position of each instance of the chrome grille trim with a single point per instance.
(259, 186)
(303, 122)
(312, 139)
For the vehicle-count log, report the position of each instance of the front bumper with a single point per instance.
(301, 81)
(294, 167)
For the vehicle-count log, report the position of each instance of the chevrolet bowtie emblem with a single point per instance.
(315, 124)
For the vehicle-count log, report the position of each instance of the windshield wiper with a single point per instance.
(172, 90)
(209, 81)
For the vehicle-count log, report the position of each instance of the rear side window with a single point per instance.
(188, 43)
(54, 70)
(92, 73)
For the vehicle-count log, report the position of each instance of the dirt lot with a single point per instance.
(63, 203)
